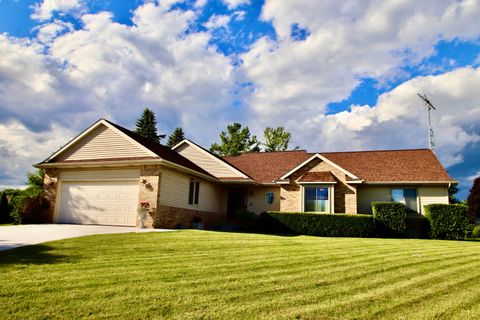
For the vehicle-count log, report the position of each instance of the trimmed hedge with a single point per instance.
(390, 217)
(447, 221)
(476, 232)
(316, 224)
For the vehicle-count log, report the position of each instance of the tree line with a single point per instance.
(235, 141)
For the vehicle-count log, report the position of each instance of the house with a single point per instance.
(110, 175)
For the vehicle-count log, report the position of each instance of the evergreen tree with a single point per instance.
(473, 201)
(276, 139)
(147, 126)
(235, 141)
(176, 137)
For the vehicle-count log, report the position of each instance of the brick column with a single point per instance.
(149, 190)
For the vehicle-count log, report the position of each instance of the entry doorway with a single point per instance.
(237, 199)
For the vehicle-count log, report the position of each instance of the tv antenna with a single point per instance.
(429, 106)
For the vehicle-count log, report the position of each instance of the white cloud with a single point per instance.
(45, 9)
(217, 21)
(239, 15)
(49, 31)
(200, 3)
(473, 177)
(20, 148)
(232, 4)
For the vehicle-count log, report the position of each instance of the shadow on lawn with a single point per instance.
(35, 254)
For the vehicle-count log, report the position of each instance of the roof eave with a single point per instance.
(413, 182)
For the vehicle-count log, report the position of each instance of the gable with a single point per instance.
(207, 161)
(102, 142)
(325, 162)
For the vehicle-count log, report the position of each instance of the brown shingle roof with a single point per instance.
(160, 150)
(391, 165)
(323, 176)
(265, 167)
(378, 166)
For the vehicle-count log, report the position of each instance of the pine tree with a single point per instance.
(147, 126)
(235, 141)
(276, 139)
(176, 137)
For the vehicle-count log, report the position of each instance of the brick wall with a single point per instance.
(173, 217)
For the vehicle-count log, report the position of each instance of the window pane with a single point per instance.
(190, 192)
(322, 193)
(310, 193)
(197, 187)
(397, 195)
(310, 205)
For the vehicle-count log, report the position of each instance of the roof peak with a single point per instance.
(383, 150)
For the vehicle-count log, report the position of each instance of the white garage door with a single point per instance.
(98, 202)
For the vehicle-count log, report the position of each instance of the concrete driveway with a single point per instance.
(28, 234)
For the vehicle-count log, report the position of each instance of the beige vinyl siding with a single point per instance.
(100, 174)
(207, 162)
(174, 192)
(103, 143)
(429, 195)
(367, 195)
(256, 199)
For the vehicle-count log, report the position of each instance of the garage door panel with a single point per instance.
(105, 202)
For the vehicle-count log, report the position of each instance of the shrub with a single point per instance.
(243, 215)
(473, 201)
(476, 232)
(329, 225)
(447, 221)
(390, 217)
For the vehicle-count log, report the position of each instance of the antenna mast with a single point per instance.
(429, 106)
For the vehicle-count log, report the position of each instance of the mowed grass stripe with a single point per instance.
(192, 274)
(301, 293)
(85, 275)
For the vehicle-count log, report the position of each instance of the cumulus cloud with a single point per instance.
(20, 147)
(232, 4)
(217, 21)
(347, 42)
(45, 9)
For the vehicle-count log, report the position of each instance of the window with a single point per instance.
(193, 192)
(269, 197)
(316, 199)
(406, 196)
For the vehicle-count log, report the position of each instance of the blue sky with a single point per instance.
(338, 76)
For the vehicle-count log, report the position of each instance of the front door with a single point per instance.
(237, 199)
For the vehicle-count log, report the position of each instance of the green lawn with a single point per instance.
(209, 275)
